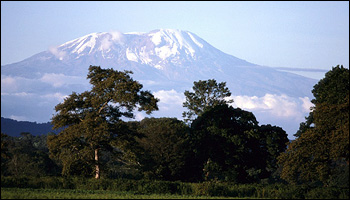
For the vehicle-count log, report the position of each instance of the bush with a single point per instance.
(245, 190)
(9, 181)
(184, 189)
(45, 182)
(68, 183)
(223, 189)
(161, 187)
(124, 185)
(280, 191)
(201, 189)
(327, 193)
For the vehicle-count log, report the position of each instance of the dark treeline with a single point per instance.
(164, 149)
(15, 128)
(215, 142)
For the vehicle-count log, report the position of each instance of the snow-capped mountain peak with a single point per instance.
(165, 61)
(91, 43)
(168, 52)
(155, 46)
(176, 39)
(163, 54)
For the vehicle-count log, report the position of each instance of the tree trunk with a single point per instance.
(97, 166)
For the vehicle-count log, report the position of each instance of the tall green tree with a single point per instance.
(224, 141)
(206, 94)
(165, 148)
(321, 150)
(93, 119)
(227, 143)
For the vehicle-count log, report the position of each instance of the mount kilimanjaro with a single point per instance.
(165, 61)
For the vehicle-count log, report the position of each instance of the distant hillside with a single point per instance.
(15, 128)
(166, 62)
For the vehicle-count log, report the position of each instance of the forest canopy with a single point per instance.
(217, 142)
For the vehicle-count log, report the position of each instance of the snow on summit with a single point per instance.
(165, 61)
(162, 43)
(174, 39)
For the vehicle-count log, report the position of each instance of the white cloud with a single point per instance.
(106, 43)
(59, 80)
(149, 82)
(57, 53)
(275, 105)
(29, 107)
(8, 84)
(35, 99)
(17, 84)
(55, 96)
(117, 36)
(22, 94)
(18, 94)
(18, 118)
(279, 110)
(306, 104)
(112, 37)
(170, 97)
(50, 100)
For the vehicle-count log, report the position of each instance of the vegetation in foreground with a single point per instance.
(218, 151)
(124, 187)
(27, 193)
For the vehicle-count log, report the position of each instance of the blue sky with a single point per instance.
(276, 34)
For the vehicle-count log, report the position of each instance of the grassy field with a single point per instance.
(27, 193)
(88, 188)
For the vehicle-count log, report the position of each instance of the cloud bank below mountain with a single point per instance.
(166, 62)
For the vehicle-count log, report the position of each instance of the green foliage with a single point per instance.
(223, 146)
(5, 154)
(327, 193)
(206, 94)
(17, 193)
(272, 142)
(333, 87)
(321, 152)
(223, 143)
(26, 155)
(229, 145)
(205, 189)
(304, 126)
(164, 148)
(92, 121)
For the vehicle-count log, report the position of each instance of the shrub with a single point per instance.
(280, 191)
(45, 182)
(201, 189)
(327, 193)
(157, 187)
(184, 189)
(9, 181)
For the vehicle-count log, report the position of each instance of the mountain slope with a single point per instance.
(165, 61)
(164, 55)
(15, 128)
